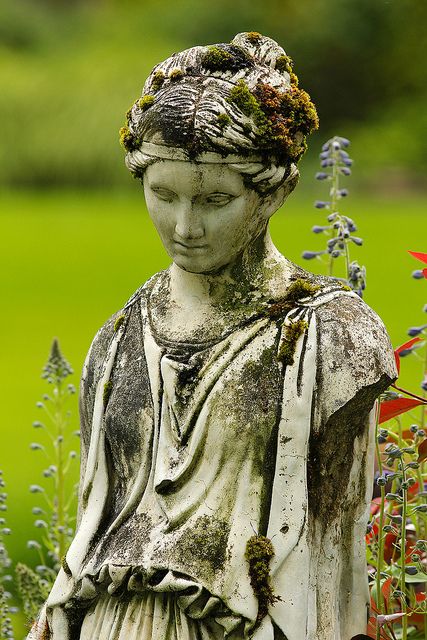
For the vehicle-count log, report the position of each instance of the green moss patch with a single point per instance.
(223, 120)
(157, 80)
(254, 37)
(289, 341)
(108, 387)
(145, 102)
(217, 59)
(119, 321)
(284, 63)
(259, 552)
(127, 140)
(283, 119)
(175, 75)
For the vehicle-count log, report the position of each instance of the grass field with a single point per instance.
(69, 260)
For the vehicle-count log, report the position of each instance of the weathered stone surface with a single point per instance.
(227, 451)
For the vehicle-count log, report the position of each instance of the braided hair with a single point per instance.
(236, 100)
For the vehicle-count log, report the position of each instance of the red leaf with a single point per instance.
(386, 589)
(419, 256)
(403, 347)
(393, 408)
(422, 451)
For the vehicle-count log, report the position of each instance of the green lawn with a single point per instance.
(69, 260)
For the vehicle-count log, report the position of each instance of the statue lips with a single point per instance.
(185, 248)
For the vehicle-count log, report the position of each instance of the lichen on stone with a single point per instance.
(145, 102)
(119, 321)
(223, 120)
(292, 332)
(283, 118)
(108, 387)
(259, 552)
(157, 80)
(284, 63)
(253, 36)
(217, 59)
(301, 288)
(175, 75)
(297, 291)
(127, 140)
(65, 566)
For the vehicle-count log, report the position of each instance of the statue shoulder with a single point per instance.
(355, 356)
(98, 350)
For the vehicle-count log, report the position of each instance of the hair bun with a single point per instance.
(264, 50)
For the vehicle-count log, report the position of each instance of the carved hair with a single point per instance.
(239, 99)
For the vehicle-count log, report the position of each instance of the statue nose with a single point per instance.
(188, 221)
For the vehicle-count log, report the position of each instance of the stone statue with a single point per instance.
(227, 454)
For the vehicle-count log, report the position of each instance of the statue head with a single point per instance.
(221, 109)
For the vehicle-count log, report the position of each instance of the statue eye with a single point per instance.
(219, 199)
(163, 194)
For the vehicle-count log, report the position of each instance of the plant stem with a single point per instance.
(333, 193)
(403, 539)
(408, 393)
(60, 488)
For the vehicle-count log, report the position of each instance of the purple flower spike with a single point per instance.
(320, 204)
(325, 147)
(356, 240)
(343, 192)
(327, 163)
(321, 175)
(417, 274)
(424, 385)
(348, 162)
(405, 352)
(323, 155)
(309, 255)
(415, 331)
(425, 308)
(318, 229)
(344, 141)
(345, 171)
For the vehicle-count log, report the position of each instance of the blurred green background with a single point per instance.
(75, 237)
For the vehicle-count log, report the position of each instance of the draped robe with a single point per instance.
(190, 449)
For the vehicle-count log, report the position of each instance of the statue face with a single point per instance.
(205, 215)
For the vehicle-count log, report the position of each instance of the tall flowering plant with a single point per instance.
(397, 532)
(335, 164)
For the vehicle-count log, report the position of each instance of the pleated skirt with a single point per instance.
(147, 616)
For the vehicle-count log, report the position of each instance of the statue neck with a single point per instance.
(255, 274)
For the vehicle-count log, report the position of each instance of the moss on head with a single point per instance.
(283, 119)
(259, 552)
(127, 140)
(175, 75)
(223, 120)
(157, 80)
(284, 63)
(145, 102)
(247, 103)
(254, 37)
(217, 59)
